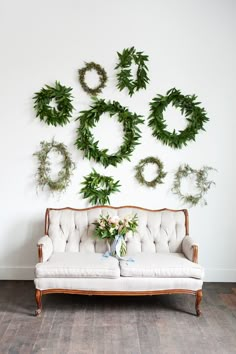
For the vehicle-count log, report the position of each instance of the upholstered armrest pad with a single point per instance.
(187, 247)
(47, 247)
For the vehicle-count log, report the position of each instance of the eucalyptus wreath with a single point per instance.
(98, 188)
(102, 77)
(54, 115)
(44, 168)
(88, 119)
(140, 170)
(195, 116)
(124, 75)
(202, 184)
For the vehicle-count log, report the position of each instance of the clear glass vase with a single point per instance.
(118, 247)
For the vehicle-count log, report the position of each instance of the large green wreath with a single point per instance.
(98, 188)
(124, 75)
(195, 116)
(44, 168)
(202, 184)
(160, 171)
(54, 115)
(88, 120)
(102, 77)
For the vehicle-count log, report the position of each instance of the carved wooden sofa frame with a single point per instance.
(194, 251)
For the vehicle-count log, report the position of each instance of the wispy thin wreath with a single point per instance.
(140, 171)
(102, 78)
(195, 116)
(98, 188)
(202, 184)
(124, 75)
(44, 168)
(60, 114)
(88, 120)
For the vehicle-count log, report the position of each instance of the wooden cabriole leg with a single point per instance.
(198, 300)
(38, 297)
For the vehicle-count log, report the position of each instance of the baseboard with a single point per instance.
(16, 273)
(223, 275)
(27, 273)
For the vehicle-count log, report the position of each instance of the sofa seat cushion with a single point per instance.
(78, 265)
(160, 265)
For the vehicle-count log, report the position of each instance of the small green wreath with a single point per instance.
(98, 188)
(88, 120)
(124, 75)
(54, 115)
(44, 168)
(160, 171)
(202, 184)
(195, 116)
(102, 77)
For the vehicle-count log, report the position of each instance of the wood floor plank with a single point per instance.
(71, 324)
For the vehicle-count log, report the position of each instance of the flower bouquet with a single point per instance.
(115, 229)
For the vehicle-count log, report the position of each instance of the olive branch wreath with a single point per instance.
(202, 184)
(98, 188)
(102, 78)
(54, 115)
(88, 119)
(44, 167)
(124, 76)
(195, 116)
(140, 170)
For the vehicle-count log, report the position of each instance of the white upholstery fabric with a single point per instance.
(70, 265)
(47, 247)
(72, 230)
(119, 284)
(187, 247)
(161, 265)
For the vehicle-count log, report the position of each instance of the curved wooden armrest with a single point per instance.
(195, 253)
(40, 253)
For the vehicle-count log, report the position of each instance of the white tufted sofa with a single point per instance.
(71, 258)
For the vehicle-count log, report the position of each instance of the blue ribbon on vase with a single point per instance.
(116, 249)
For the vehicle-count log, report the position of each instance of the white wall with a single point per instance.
(191, 46)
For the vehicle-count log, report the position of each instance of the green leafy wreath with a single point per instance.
(98, 188)
(202, 184)
(54, 115)
(195, 116)
(102, 77)
(88, 120)
(44, 168)
(160, 171)
(124, 75)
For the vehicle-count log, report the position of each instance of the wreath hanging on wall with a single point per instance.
(98, 188)
(124, 75)
(202, 184)
(101, 74)
(44, 168)
(140, 171)
(58, 115)
(86, 141)
(195, 116)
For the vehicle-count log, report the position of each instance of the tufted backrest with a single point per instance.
(72, 230)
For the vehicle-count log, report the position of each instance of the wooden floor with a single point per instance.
(82, 324)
